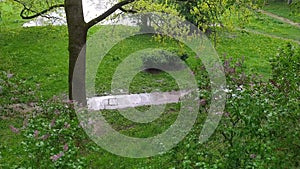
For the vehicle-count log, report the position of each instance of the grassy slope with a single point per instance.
(36, 57)
(282, 9)
(43, 60)
(39, 55)
(268, 25)
(256, 49)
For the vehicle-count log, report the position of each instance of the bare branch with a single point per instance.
(38, 13)
(127, 10)
(27, 9)
(108, 12)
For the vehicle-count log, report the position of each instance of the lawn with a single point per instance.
(37, 60)
(268, 25)
(282, 9)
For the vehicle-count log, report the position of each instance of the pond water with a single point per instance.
(91, 9)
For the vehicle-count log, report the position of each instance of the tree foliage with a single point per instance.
(209, 14)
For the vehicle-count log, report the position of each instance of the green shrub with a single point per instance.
(260, 124)
(169, 60)
(286, 69)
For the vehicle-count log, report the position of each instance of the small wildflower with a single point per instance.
(90, 121)
(227, 90)
(202, 102)
(230, 70)
(56, 112)
(191, 108)
(68, 101)
(226, 114)
(25, 123)
(45, 137)
(36, 133)
(67, 125)
(55, 97)
(52, 122)
(32, 104)
(226, 64)
(66, 147)
(14, 99)
(13, 129)
(252, 156)
(57, 156)
(81, 124)
(219, 113)
(9, 75)
(240, 88)
(238, 64)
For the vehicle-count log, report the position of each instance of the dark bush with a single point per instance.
(164, 60)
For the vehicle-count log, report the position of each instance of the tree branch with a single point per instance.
(26, 9)
(108, 13)
(38, 13)
(127, 10)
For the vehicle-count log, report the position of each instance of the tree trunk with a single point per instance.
(77, 30)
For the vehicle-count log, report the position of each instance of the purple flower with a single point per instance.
(81, 124)
(66, 147)
(13, 129)
(25, 123)
(36, 133)
(56, 112)
(252, 156)
(68, 101)
(219, 113)
(9, 75)
(44, 137)
(57, 156)
(52, 122)
(227, 114)
(202, 102)
(67, 125)
(90, 121)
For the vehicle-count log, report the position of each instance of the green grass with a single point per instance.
(268, 25)
(11, 153)
(43, 60)
(282, 9)
(256, 49)
(142, 81)
(39, 56)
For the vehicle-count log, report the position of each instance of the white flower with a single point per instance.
(240, 88)
(227, 90)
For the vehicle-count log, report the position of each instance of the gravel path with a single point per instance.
(282, 19)
(268, 35)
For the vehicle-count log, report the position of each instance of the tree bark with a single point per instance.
(77, 30)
